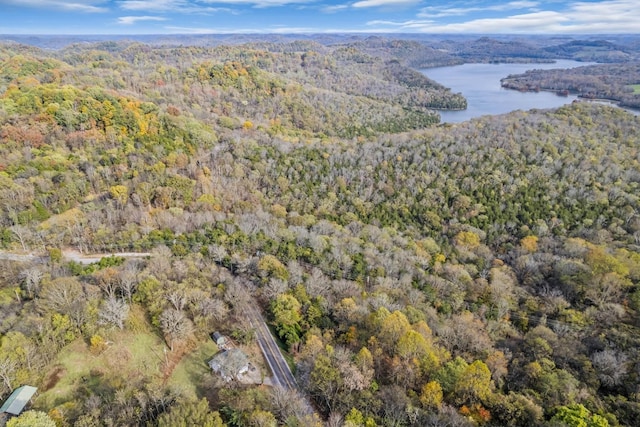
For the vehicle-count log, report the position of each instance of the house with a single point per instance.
(219, 339)
(230, 364)
(20, 397)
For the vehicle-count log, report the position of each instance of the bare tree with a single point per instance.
(274, 288)
(353, 377)
(64, 295)
(114, 311)
(107, 280)
(296, 273)
(236, 295)
(289, 403)
(179, 270)
(606, 288)
(78, 235)
(218, 253)
(31, 281)
(395, 404)
(335, 420)
(160, 263)
(128, 279)
(177, 298)
(448, 417)
(214, 309)
(23, 234)
(8, 368)
(318, 284)
(175, 325)
(611, 367)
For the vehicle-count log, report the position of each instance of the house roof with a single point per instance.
(229, 363)
(18, 400)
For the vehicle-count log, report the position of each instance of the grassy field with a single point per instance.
(130, 356)
(193, 369)
(636, 89)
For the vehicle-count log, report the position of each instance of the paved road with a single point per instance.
(70, 255)
(22, 257)
(279, 367)
(282, 375)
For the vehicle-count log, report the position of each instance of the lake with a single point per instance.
(480, 84)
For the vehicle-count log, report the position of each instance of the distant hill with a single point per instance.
(593, 51)
(417, 50)
(487, 49)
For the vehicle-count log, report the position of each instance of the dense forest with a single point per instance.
(416, 274)
(616, 82)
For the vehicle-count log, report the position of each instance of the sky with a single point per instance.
(74, 17)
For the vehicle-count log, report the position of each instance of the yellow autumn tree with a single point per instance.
(474, 384)
(392, 327)
(467, 239)
(431, 395)
(529, 243)
(270, 266)
(120, 194)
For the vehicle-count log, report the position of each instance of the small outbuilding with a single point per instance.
(219, 339)
(17, 401)
(230, 364)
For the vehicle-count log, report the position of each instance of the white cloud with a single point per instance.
(608, 16)
(441, 11)
(404, 24)
(335, 8)
(291, 30)
(272, 30)
(384, 3)
(86, 6)
(153, 5)
(612, 11)
(200, 6)
(130, 20)
(260, 3)
(171, 6)
(190, 30)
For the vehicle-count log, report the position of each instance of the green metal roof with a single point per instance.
(18, 400)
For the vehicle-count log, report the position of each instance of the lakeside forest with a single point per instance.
(614, 82)
(416, 274)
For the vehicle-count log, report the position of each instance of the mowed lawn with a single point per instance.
(193, 371)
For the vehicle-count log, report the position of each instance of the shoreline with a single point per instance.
(613, 102)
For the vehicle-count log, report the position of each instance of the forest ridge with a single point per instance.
(416, 274)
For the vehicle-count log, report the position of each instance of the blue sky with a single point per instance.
(319, 16)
